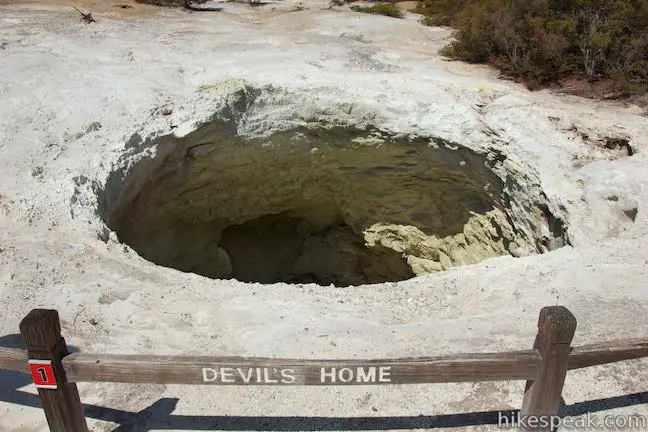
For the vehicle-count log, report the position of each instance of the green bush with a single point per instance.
(541, 41)
(438, 12)
(387, 9)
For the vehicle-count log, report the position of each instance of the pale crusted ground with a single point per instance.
(58, 76)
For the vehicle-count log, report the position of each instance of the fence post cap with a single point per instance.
(41, 328)
(556, 324)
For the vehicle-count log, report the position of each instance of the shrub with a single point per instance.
(387, 9)
(438, 12)
(541, 41)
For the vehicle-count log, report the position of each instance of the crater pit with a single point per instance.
(336, 205)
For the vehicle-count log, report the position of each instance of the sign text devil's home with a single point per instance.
(299, 375)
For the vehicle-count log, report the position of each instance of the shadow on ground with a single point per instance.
(159, 415)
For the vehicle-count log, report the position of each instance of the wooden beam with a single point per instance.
(556, 328)
(81, 367)
(41, 332)
(13, 359)
(607, 352)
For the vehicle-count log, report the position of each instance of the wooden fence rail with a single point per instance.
(14, 360)
(260, 371)
(55, 371)
(607, 352)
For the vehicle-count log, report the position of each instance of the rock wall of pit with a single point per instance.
(330, 204)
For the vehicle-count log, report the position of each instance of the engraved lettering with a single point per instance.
(345, 375)
(366, 376)
(227, 375)
(266, 376)
(246, 377)
(209, 374)
(324, 374)
(384, 374)
(287, 376)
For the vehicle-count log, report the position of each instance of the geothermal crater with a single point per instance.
(337, 206)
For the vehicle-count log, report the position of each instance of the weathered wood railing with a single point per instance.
(55, 371)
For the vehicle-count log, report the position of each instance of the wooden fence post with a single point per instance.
(556, 328)
(41, 332)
